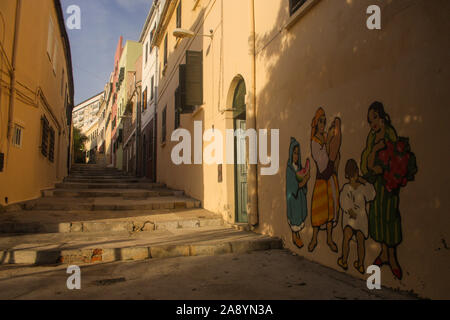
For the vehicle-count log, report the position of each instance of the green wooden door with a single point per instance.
(240, 152)
(241, 174)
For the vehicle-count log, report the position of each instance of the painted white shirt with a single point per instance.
(320, 155)
(356, 199)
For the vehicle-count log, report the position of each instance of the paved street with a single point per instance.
(272, 274)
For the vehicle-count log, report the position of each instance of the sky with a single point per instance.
(94, 45)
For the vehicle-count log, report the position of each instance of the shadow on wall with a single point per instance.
(326, 60)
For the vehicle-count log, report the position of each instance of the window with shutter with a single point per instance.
(144, 100)
(151, 38)
(51, 149)
(55, 56)
(44, 141)
(165, 50)
(17, 137)
(50, 39)
(179, 15)
(177, 108)
(152, 88)
(163, 125)
(294, 5)
(191, 81)
(146, 52)
(62, 83)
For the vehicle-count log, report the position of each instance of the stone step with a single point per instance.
(103, 180)
(94, 170)
(115, 193)
(110, 176)
(105, 203)
(105, 185)
(84, 222)
(59, 248)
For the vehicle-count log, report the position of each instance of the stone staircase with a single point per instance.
(100, 214)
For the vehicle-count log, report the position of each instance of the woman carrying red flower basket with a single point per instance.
(388, 164)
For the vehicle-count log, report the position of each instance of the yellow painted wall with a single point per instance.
(26, 170)
(324, 57)
(329, 58)
(232, 49)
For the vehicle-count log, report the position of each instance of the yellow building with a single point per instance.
(107, 109)
(36, 98)
(131, 51)
(296, 67)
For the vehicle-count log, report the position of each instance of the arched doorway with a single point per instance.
(240, 158)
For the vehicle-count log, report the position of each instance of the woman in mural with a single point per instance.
(325, 148)
(296, 180)
(388, 164)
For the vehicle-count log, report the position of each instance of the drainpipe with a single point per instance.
(13, 73)
(252, 178)
(155, 129)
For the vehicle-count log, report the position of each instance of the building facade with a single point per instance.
(126, 65)
(131, 117)
(347, 106)
(150, 80)
(36, 99)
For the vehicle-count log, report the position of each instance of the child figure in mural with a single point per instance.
(296, 190)
(354, 197)
(388, 163)
(325, 148)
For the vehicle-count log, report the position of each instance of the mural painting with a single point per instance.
(297, 178)
(354, 196)
(325, 147)
(369, 200)
(388, 164)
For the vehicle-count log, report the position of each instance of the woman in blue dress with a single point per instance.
(297, 206)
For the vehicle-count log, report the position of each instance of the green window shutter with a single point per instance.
(44, 141)
(120, 138)
(179, 15)
(194, 78)
(294, 5)
(51, 149)
(177, 108)
(163, 125)
(165, 50)
(184, 107)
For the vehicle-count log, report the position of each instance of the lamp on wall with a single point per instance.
(183, 33)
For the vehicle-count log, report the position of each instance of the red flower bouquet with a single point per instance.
(398, 163)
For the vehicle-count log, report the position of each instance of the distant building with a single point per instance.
(86, 117)
(85, 113)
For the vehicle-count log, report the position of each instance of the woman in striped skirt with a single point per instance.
(325, 202)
